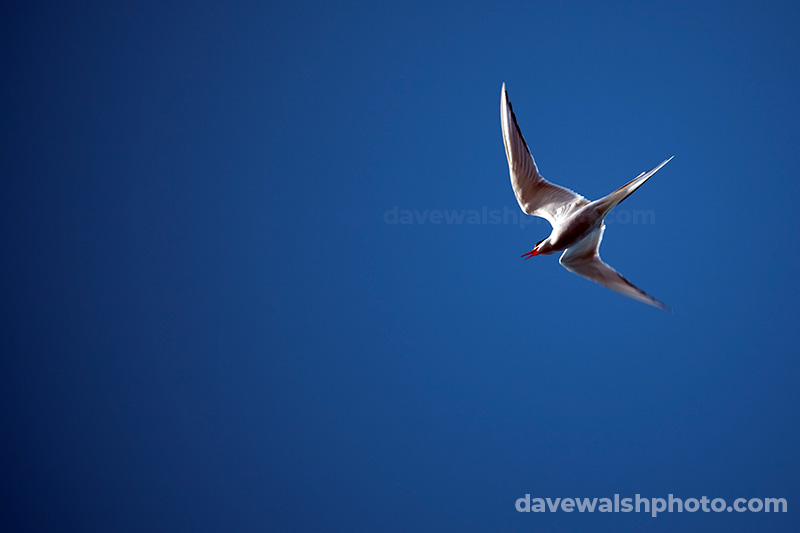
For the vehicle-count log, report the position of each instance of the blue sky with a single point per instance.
(210, 321)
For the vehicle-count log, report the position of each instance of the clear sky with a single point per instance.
(213, 318)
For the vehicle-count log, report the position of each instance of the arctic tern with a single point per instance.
(577, 222)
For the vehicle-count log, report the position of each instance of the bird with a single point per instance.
(578, 224)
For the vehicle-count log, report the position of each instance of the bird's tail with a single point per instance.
(606, 204)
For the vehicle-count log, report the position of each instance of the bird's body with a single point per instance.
(577, 222)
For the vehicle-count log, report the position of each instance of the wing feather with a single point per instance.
(584, 259)
(536, 196)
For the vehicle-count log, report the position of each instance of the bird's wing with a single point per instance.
(584, 259)
(606, 204)
(536, 195)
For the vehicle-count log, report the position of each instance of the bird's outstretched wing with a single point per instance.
(584, 259)
(536, 195)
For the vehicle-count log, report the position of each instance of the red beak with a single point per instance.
(530, 254)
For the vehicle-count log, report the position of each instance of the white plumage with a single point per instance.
(577, 222)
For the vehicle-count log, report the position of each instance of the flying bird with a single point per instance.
(577, 222)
